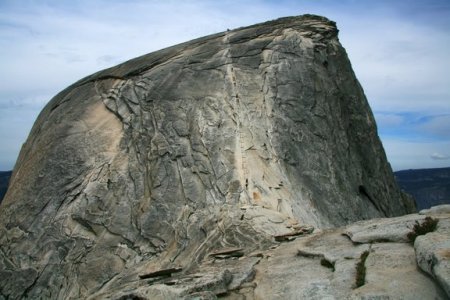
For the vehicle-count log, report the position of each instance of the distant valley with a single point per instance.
(429, 187)
(4, 179)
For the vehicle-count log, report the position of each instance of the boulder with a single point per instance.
(433, 252)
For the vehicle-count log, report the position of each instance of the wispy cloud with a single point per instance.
(108, 59)
(439, 156)
(404, 154)
(402, 65)
(438, 126)
(389, 119)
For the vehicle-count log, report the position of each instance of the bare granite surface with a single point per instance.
(240, 140)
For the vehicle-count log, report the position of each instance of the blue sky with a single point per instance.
(399, 51)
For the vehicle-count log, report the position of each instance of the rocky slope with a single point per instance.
(429, 187)
(367, 260)
(232, 140)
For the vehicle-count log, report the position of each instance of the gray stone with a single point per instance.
(147, 165)
(433, 253)
(438, 209)
(392, 274)
(383, 230)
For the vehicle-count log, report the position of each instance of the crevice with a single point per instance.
(106, 283)
(360, 278)
(307, 254)
(237, 107)
(182, 183)
(29, 288)
(7, 260)
(325, 262)
(363, 191)
(84, 223)
(428, 225)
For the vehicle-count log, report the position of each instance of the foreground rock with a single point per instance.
(321, 265)
(433, 249)
(228, 141)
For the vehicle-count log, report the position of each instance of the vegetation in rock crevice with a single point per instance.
(131, 297)
(361, 269)
(323, 261)
(428, 225)
(306, 254)
(327, 264)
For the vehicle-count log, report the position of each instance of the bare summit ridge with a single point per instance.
(234, 141)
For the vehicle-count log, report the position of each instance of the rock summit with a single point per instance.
(218, 149)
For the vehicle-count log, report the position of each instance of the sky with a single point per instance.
(400, 52)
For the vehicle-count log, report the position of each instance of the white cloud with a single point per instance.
(108, 59)
(401, 65)
(438, 126)
(439, 156)
(388, 119)
(415, 155)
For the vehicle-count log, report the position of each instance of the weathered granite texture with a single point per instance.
(231, 140)
(319, 266)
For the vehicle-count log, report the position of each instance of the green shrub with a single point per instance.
(361, 269)
(428, 225)
(327, 264)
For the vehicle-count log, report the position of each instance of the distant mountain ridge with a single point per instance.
(429, 187)
(4, 179)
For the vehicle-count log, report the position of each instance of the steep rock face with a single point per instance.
(228, 140)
